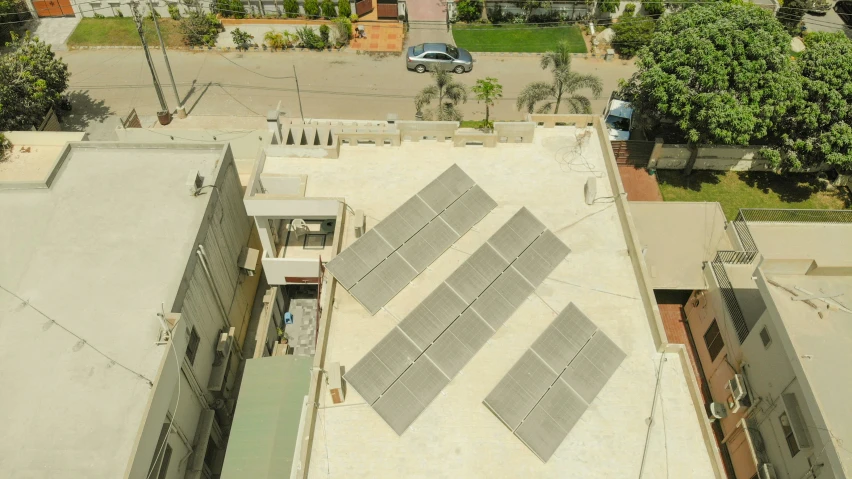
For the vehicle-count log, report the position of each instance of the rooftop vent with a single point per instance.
(194, 182)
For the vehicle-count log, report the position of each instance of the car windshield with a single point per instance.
(453, 51)
(418, 49)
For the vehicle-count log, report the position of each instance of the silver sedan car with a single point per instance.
(428, 56)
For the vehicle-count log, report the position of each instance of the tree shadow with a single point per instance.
(790, 188)
(84, 111)
(693, 182)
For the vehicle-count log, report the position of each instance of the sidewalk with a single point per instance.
(54, 31)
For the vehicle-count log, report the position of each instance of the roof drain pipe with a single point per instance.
(202, 256)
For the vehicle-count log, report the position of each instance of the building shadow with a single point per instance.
(693, 182)
(791, 188)
(84, 112)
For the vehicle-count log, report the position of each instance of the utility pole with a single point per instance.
(299, 94)
(181, 111)
(164, 116)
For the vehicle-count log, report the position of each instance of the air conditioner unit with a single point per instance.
(360, 223)
(718, 410)
(248, 260)
(739, 393)
(766, 471)
(223, 347)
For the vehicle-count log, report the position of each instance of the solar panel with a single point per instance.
(493, 308)
(456, 180)
(513, 287)
(395, 272)
(396, 351)
(467, 282)
(445, 304)
(427, 245)
(372, 292)
(416, 212)
(348, 268)
(421, 326)
(370, 377)
(437, 196)
(471, 330)
(395, 230)
(514, 236)
(398, 407)
(478, 201)
(541, 258)
(468, 210)
(541, 414)
(371, 248)
(424, 380)
(449, 354)
(541, 434)
(487, 262)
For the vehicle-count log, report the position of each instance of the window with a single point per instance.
(713, 340)
(164, 464)
(788, 435)
(160, 462)
(453, 51)
(192, 346)
(764, 336)
(418, 49)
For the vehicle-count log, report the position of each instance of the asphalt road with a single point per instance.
(333, 84)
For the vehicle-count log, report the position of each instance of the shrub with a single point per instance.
(291, 8)
(312, 9)
(629, 9)
(342, 31)
(353, 17)
(328, 10)
(277, 40)
(631, 34)
(468, 10)
(236, 9)
(608, 6)
(174, 12)
(199, 29)
(151, 14)
(229, 8)
(324, 34)
(655, 8)
(343, 8)
(241, 39)
(496, 14)
(309, 38)
(98, 15)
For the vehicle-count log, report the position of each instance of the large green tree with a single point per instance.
(32, 80)
(819, 129)
(563, 87)
(721, 72)
(632, 32)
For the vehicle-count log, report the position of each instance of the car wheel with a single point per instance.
(420, 69)
(459, 69)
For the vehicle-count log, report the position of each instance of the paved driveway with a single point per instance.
(830, 22)
(426, 10)
(54, 31)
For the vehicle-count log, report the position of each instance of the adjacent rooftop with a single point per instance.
(86, 266)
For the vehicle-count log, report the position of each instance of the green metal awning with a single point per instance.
(263, 436)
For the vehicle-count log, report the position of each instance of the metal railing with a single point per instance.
(750, 250)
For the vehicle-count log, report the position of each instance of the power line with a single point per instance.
(80, 338)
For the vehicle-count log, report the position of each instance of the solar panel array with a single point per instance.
(402, 374)
(550, 387)
(383, 261)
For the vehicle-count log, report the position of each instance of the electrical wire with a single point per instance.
(157, 456)
(80, 338)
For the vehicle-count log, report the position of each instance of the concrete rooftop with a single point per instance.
(86, 265)
(457, 436)
(825, 243)
(677, 238)
(821, 349)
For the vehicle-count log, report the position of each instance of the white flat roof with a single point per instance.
(97, 253)
(821, 348)
(457, 436)
(677, 238)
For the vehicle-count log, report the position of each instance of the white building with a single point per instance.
(119, 277)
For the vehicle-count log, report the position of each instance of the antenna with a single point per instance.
(165, 331)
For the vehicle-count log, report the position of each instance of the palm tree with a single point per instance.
(449, 94)
(565, 84)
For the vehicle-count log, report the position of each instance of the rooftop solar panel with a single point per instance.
(424, 380)
(471, 330)
(396, 351)
(372, 292)
(449, 354)
(456, 180)
(348, 268)
(398, 407)
(445, 304)
(541, 434)
(514, 236)
(427, 245)
(513, 287)
(371, 248)
(467, 282)
(421, 326)
(395, 230)
(370, 377)
(493, 308)
(487, 262)
(437, 196)
(395, 272)
(563, 405)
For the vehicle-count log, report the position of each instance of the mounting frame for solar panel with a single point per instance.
(452, 317)
(541, 413)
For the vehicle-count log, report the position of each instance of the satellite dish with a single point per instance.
(590, 190)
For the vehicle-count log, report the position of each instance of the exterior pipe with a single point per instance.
(653, 410)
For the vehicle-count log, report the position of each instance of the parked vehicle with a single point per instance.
(844, 11)
(619, 119)
(426, 56)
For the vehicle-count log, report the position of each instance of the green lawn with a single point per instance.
(735, 190)
(115, 31)
(516, 38)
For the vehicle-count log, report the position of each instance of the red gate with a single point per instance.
(363, 7)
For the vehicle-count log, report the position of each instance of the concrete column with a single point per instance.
(655, 153)
(265, 234)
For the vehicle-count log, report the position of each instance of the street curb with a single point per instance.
(226, 49)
